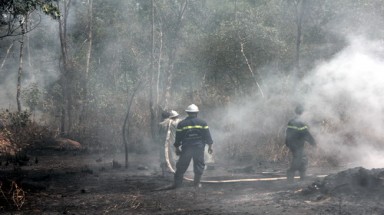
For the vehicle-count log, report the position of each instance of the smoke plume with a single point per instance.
(345, 103)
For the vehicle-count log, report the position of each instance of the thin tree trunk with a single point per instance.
(29, 51)
(152, 77)
(126, 124)
(63, 32)
(89, 52)
(300, 9)
(30, 68)
(90, 40)
(62, 81)
(172, 54)
(168, 84)
(236, 12)
(66, 103)
(20, 72)
(159, 66)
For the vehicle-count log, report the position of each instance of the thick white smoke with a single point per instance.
(343, 98)
(345, 103)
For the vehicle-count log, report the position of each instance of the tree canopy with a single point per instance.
(86, 59)
(12, 12)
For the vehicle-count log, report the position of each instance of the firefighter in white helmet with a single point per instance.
(192, 135)
(167, 138)
(174, 121)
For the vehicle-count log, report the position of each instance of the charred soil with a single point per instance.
(73, 183)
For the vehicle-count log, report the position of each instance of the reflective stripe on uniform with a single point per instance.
(297, 128)
(192, 127)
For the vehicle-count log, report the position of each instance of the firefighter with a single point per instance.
(162, 136)
(170, 139)
(192, 135)
(297, 134)
(167, 135)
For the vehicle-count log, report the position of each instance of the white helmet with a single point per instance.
(173, 114)
(192, 109)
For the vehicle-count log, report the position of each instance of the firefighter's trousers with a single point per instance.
(299, 163)
(188, 153)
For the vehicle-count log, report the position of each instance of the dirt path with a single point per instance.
(83, 184)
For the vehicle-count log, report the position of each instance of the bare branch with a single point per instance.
(6, 56)
(250, 68)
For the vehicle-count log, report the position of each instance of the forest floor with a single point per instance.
(72, 183)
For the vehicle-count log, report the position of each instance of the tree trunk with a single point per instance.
(300, 9)
(172, 54)
(20, 72)
(152, 77)
(159, 66)
(66, 97)
(88, 60)
(90, 18)
(126, 124)
(169, 75)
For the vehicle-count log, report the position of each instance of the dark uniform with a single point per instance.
(192, 135)
(296, 135)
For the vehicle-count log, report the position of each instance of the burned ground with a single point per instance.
(85, 183)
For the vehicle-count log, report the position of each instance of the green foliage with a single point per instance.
(50, 9)
(14, 13)
(219, 52)
(23, 7)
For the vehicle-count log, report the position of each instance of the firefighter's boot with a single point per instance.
(303, 168)
(302, 175)
(196, 181)
(290, 176)
(178, 180)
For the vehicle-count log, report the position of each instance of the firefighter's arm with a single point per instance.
(178, 139)
(177, 148)
(310, 139)
(208, 139)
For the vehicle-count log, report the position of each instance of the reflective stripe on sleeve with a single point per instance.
(192, 127)
(297, 128)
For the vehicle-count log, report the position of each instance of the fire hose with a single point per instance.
(167, 158)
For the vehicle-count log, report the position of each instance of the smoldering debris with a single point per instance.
(351, 183)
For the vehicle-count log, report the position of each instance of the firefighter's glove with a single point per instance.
(178, 152)
(210, 150)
